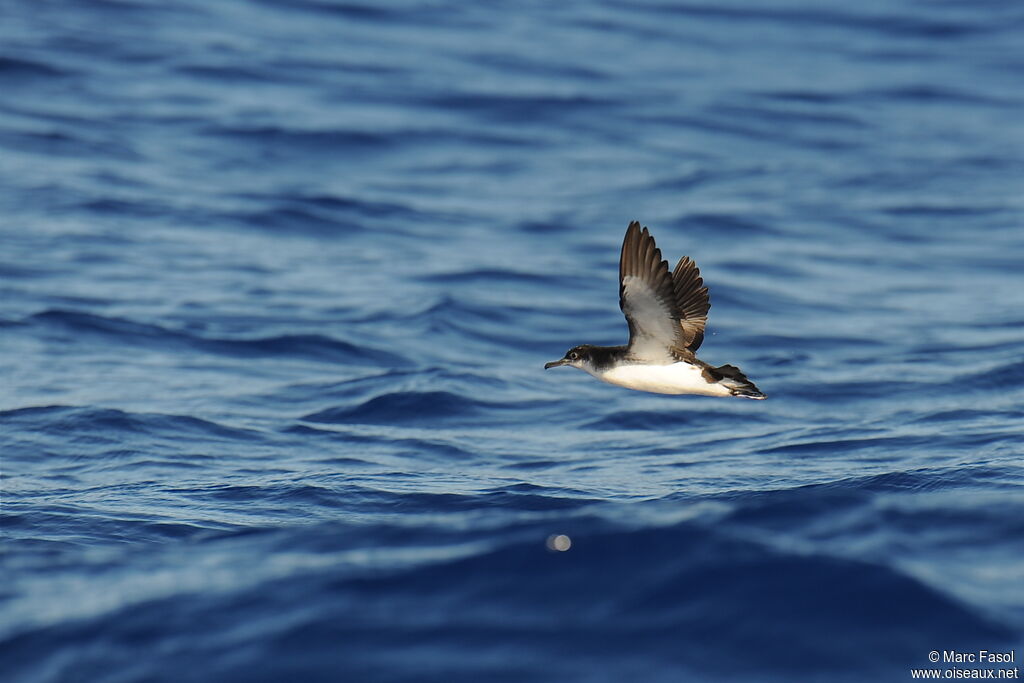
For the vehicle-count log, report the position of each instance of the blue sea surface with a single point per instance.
(278, 279)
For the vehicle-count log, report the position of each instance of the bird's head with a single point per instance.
(578, 357)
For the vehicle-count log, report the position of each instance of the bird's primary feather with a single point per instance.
(666, 311)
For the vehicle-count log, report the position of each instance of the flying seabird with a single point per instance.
(666, 311)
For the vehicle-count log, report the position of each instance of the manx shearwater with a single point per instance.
(666, 311)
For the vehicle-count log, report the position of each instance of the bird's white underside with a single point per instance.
(676, 378)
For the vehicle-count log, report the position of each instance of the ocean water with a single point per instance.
(278, 279)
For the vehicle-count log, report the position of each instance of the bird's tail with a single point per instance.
(737, 383)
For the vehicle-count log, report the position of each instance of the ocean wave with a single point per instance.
(14, 68)
(116, 425)
(493, 276)
(424, 408)
(354, 206)
(315, 347)
(731, 600)
(661, 420)
(293, 141)
(516, 107)
(295, 220)
(887, 24)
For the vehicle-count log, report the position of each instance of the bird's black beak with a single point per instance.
(556, 363)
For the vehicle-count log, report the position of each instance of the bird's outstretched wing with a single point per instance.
(666, 311)
(692, 302)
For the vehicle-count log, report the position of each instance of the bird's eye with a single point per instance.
(573, 355)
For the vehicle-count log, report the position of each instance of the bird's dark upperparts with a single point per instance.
(666, 312)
